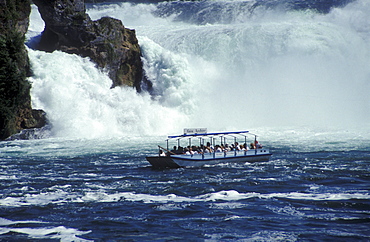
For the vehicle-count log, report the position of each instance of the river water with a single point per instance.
(315, 187)
(295, 74)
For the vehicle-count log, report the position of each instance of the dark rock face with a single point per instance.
(106, 41)
(16, 113)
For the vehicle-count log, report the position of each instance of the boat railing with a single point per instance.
(233, 153)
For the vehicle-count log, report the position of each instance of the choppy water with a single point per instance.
(295, 72)
(316, 187)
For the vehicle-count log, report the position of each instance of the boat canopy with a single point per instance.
(208, 134)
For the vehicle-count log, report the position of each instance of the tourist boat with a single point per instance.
(209, 151)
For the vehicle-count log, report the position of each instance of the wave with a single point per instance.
(61, 197)
(48, 232)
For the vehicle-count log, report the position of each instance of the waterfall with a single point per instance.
(216, 64)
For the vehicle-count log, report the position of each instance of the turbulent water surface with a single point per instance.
(314, 188)
(297, 73)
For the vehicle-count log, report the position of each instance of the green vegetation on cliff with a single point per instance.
(15, 101)
(13, 85)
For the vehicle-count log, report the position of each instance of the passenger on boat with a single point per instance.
(189, 151)
(195, 149)
(174, 150)
(243, 148)
(252, 146)
(237, 147)
(218, 148)
(207, 150)
(201, 149)
(211, 148)
(258, 145)
(161, 153)
(180, 150)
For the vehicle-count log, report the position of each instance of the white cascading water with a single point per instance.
(272, 69)
(79, 102)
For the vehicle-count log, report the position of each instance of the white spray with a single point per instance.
(273, 69)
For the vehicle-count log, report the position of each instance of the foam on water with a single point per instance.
(60, 197)
(49, 232)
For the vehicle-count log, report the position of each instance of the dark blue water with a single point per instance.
(310, 61)
(99, 190)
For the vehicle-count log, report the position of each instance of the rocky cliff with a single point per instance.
(67, 28)
(15, 101)
(106, 41)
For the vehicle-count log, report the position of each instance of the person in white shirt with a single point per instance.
(189, 151)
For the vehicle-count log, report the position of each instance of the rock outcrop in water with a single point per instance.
(106, 41)
(15, 100)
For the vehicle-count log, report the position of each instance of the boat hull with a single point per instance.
(177, 161)
(162, 162)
